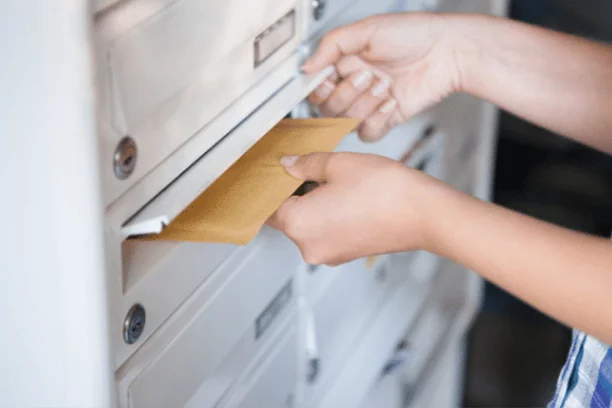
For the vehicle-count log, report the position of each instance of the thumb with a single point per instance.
(348, 40)
(310, 167)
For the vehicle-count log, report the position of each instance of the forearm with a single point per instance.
(557, 81)
(566, 274)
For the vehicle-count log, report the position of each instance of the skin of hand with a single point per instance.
(391, 67)
(369, 205)
(388, 68)
(376, 207)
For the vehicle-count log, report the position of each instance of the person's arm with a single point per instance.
(557, 81)
(369, 205)
(565, 274)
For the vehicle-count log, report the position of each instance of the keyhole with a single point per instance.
(127, 162)
(134, 323)
(137, 327)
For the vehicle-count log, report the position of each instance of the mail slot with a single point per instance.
(151, 264)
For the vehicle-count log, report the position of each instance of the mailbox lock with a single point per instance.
(318, 8)
(124, 159)
(133, 324)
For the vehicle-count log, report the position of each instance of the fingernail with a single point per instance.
(324, 90)
(362, 80)
(388, 106)
(288, 161)
(380, 88)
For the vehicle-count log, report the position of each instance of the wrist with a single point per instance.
(437, 205)
(463, 36)
(423, 199)
(430, 231)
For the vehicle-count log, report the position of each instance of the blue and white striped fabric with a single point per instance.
(586, 378)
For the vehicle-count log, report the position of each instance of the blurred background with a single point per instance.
(516, 353)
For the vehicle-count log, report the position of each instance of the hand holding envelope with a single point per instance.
(236, 206)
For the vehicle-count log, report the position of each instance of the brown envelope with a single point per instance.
(236, 206)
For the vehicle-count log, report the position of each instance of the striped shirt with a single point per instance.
(586, 377)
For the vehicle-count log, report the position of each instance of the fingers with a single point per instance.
(279, 220)
(293, 218)
(347, 67)
(322, 93)
(357, 90)
(352, 39)
(374, 106)
(346, 93)
(369, 102)
(310, 167)
(375, 126)
(350, 65)
(334, 77)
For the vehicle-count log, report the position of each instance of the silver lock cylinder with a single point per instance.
(124, 158)
(134, 323)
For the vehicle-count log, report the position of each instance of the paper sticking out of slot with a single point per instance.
(236, 206)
